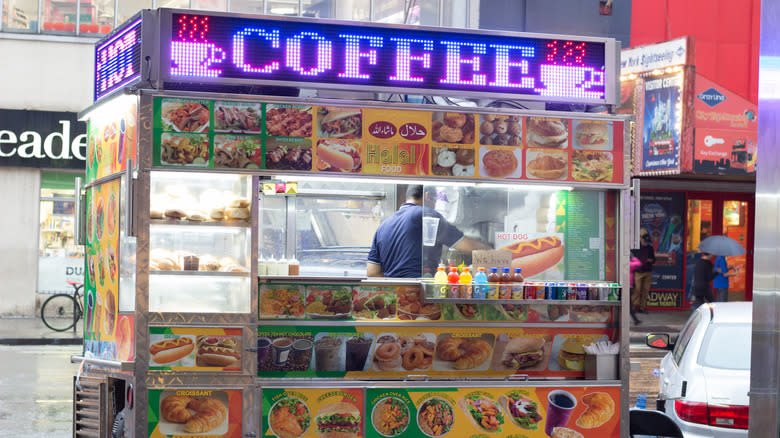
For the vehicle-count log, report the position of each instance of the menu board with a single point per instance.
(396, 351)
(195, 349)
(511, 412)
(344, 302)
(102, 282)
(313, 412)
(112, 134)
(385, 141)
(188, 412)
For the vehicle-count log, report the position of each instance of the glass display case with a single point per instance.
(199, 234)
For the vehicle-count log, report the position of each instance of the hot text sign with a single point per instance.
(229, 49)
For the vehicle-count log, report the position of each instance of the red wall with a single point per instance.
(726, 36)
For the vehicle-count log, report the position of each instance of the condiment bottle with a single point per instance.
(493, 278)
(517, 284)
(466, 291)
(294, 268)
(505, 288)
(453, 279)
(262, 267)
(441, 278)
(480, 284)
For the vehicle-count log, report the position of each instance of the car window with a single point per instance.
(685, 336)
(726, 346)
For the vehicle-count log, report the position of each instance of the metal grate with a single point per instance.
(89, 416)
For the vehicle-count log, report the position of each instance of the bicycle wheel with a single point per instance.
(57, 312)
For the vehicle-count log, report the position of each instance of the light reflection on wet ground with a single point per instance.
(36, 390)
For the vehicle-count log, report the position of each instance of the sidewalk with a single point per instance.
(31, 331)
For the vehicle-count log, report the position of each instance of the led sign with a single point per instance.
(224, 49)
(118, 59)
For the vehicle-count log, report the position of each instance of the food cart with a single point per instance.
(228, 216)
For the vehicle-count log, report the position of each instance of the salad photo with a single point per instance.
(482, 411)
(374, 303)
(435, 417)
(289, 418)
(522, 411)
(390, 417)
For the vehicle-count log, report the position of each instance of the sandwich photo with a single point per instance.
(521, 410)
(338, 420)
(547, 132)
(344, 123)
(482, 412)
(547, 166)
(338, 156)
(523, 352)
(571, 355)
(592, 134)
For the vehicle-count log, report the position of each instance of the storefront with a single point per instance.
(695, 153)
(42, 153)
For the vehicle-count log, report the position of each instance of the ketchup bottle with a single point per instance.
(505, 288)
(453, 279)
(493, 278)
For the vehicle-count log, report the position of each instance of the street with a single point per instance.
(36, 390)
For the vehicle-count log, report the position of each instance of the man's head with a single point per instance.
(646, 239)
(414, 193)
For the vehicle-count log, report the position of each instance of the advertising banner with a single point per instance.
(433, 412)
(377, 352)
(102, 280)
(661, 215)
(112, 134)
(656, 56)
(726, 131)
(189, 412)
(195, 349)
(313, 412)
(662, 123)
(202, 133)
(43, 139)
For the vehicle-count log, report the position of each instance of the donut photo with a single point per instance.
(452, 161)
(503, 130)
(456, 128)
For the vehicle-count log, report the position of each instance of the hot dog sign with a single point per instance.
(219, 48)
(534, 253)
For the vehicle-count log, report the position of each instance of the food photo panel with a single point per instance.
(457, 352)
(453, 128)
(519, 353)
(284, 351)
(238, 117)
(501, 130)
(549, 164)
(448, 160)
(547, 132)
(282, 120)
(500, 162)
(593, 135)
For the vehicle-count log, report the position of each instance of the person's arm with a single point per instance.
(467, 244)
(651, 255)
(374, 270)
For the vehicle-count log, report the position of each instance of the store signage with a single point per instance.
(118, 60)
(217, 48)
(42, 139)
(662, 127)
(661, 214)
(711, 97)
(654, 56)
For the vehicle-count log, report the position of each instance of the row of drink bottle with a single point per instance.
(510, 285)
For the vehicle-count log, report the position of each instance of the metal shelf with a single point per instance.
(185, 222)
(201, 273)
(523, 301)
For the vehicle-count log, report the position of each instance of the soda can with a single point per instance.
(549, 291)
(593, 291)
(529, 291)
(582, 291)
(571, 291)
(614, 292)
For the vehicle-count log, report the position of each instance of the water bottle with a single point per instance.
(641, 401)
(480, 279)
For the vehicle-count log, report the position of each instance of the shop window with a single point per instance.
(20, 15)
(97, 17)
(455, 13)
(128, 8)
(282, 7)
(390, 11)
(210, 5)
(61, 16)
(354, 10)
(172, 4)
(60, 259)
(247, 6)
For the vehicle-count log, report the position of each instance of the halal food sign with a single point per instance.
(225, 49)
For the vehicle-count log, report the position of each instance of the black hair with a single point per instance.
(414, 191)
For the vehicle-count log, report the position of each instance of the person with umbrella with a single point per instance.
(722, 246)
(703, 273)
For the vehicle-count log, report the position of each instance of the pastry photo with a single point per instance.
(183, 414)
(547, 132)
(500, 163)
(453, 128)
(502, 130)
(454, 353)
(546, 164)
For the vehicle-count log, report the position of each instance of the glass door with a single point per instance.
(699, 227)
(736, 226)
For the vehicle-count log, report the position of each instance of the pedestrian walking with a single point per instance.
(721, 281)
(703, 274)
(633, 265)
(643, 276)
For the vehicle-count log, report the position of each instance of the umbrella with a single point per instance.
(722, 246)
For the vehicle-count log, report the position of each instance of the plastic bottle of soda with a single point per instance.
(493, 278)
(517, 284)
(453, 279)
(466, 291)
(480, 284)
(440, 278)
(505, 288)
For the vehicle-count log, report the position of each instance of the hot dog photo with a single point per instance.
(338, 156)
(218, 351)
(172, 350)
(537, 254)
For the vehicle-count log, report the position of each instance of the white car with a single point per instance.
(705, 378)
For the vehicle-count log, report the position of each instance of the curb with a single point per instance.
(41, 341)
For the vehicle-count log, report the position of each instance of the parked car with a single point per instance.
(705, 377)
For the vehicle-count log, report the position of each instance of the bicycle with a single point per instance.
(62, 311)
